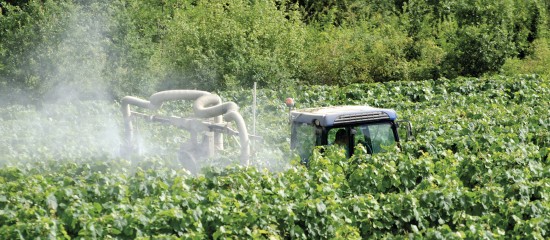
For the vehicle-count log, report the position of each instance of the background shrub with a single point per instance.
(103, 49)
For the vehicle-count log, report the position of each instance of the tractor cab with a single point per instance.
(375, 129)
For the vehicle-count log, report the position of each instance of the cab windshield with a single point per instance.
(375, 138)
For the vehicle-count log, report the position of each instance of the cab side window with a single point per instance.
(305, 140)
(375, 137)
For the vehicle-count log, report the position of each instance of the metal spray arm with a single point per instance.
(206, 105)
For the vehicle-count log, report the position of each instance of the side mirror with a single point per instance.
(404, 128)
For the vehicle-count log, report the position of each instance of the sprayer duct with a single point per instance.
(206, 106)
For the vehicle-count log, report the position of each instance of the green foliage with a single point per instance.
(101, 49)
(478, 168)
(24, 28)
(536, 63)
(476, 50)
(135, 31)
(373, 51)
(230, 44)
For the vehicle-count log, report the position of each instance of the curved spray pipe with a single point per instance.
(159, 98)
(206, 105)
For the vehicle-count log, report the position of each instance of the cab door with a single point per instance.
(376, 137)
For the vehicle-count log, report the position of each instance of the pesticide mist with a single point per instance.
(78, 117)
(75, 116)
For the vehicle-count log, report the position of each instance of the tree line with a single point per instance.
(112, 48)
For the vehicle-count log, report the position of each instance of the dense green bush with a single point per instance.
(371, 51)
(29, 33)
(537, 62)
(98, 49)
(231, 44)
(136, 32)
(73, 49)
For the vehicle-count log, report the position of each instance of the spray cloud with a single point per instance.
(75, 116)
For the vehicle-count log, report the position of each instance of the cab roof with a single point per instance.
(341, 115)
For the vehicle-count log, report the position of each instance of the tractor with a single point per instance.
(376, 129)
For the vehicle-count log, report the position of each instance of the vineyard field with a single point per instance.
(478, 168)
